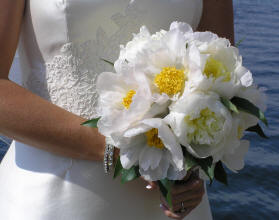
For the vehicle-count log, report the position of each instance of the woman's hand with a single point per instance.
(189, 193)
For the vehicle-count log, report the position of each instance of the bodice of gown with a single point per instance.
(62, 43)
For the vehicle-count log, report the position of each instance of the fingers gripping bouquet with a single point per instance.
(179, 99)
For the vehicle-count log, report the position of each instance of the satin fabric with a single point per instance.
(60, 48)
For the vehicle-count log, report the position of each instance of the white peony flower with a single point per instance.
(206, 128)
(255, 96)
(160, 57)
(123, 99)
(232, 154)
(234, 158)
(258, 98)
(201, 123)
(152, 145)
(179, 76)
(174, 38)
(138, 43)
(216, 65)
(235, 161)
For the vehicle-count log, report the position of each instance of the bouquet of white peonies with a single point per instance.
(179, 99)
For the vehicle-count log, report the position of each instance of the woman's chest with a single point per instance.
(63, 42)
(84, 19)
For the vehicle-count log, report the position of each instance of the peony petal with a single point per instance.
(181, 26)
(230, 143)
(138, 129)
(228, 56)
(175, 40)
(108, 81)
(150, 158)
(178, 125)
(172, 145)
(130, 156)
(133, 47)
(206, 37)
(156, 174)
(161, 58)
(169, 140)
(245, 76)
(247, 120)
(157, 109)
(124, 142)
(236, 161)
(160, 98)
(173, 173)
(195, 57)
(254, 95)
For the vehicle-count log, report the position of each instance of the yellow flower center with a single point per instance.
(170, 80)
(206, 125)
(214, 68)
(127, 100)
(240, 132)
(153, 140)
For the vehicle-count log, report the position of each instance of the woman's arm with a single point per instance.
(217, 17)
(27, 117)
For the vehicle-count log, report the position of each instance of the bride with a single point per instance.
(53, 169)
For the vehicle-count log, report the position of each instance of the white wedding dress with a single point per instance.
(60, 48)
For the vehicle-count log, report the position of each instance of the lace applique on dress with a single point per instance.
(69, 80)
(71, 76)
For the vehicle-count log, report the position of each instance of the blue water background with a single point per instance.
(253, 193)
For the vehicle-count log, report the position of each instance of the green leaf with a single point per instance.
(165, 186)
(107, 61)
(91, 123)
(162, 188)
(130, 174)
(220, 173)
(118, 168)
(169, 199)
(208, 167)
(229, 105)
(246, 106)
(190, 162)
(206, 163)
(257, 128)
(239, 42)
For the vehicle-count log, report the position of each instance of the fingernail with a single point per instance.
(148, 187)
